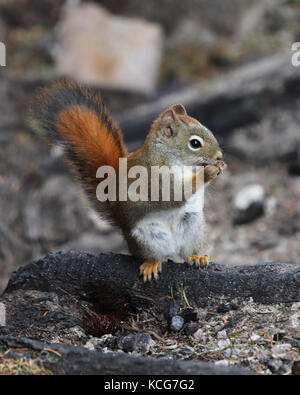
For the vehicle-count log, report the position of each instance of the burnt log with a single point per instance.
(74, 360)
(112, 280)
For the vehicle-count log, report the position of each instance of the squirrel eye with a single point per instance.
(195, 143)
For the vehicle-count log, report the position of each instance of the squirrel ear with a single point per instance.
(167, 121)
(179, 109)
(168, 117)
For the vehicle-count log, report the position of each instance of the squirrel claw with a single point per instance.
(149, 268)
(221, 166)
(199, 260)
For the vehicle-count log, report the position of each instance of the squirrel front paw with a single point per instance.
(221, 165)
(212, 171)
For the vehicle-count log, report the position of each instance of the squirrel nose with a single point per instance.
(219, 155)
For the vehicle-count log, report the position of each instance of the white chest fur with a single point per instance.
(174, 233)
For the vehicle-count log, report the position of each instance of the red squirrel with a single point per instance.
(76, 117)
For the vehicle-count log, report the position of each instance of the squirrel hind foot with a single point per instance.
(149, 268)
(200, 261)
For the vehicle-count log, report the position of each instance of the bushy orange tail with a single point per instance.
(77, 118)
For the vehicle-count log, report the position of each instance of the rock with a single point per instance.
(248, 204)
(282, 351)
(255, 337)
(176, 323)
(139, 343)
(90, 344)
(222, 334)
(218, 326)
(144, 343)
(224, 343)
(190, 328)
(199, 335)
(254, 211)
(186, 352)
(127, 343)
(76, 332)
(248, 195)
(110, 50)
(264, 356)
(98, 343)
(189, 315)
(275, 365)
(173, 309)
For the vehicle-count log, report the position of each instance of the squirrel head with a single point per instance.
(178, 139)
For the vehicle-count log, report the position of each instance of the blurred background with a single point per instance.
(228, 61)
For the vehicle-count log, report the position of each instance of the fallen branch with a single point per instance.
(112, 280)
(68, 359)
(226, 102)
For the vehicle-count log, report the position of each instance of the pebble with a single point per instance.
(99, 343)
(282, 351)
(249, 204)
(173, 309)
(198, 335)
(76, 331)
(250, 194)
(176, 323)
(224, 343)
(295, 306)
(139, 343)
(222, 334)
(275, 364)
(189, 315)
(254, 338)
(190, 328)
(264, 356)
(186, 351)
